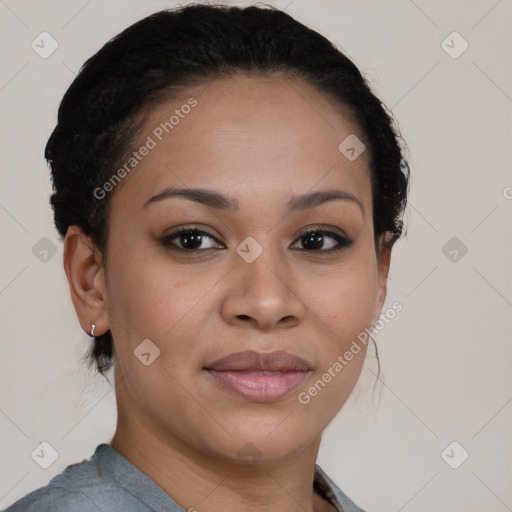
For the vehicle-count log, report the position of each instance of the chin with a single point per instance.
(250, 446)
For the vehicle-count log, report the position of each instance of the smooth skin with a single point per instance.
(259, 141)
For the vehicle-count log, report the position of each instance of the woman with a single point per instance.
(229, 191)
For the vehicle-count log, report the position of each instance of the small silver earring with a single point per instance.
(93, 326)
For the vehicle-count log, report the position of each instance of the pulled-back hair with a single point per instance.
(103, 108)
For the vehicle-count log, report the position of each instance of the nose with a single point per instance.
(262, 294)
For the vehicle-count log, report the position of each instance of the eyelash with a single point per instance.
(342, 241)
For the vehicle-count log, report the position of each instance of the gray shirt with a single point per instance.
(107, 482)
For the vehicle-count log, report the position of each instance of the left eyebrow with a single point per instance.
(313, 199)
(219, 201)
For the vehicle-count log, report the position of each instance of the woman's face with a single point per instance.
(253, 282)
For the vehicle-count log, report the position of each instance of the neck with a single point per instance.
(199, 481)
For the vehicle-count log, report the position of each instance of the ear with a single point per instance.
(86, 277)
(383, 262)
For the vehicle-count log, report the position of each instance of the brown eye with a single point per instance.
(189, 239)
(314, 240)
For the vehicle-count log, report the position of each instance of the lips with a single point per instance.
(259, 377)
(255, 361)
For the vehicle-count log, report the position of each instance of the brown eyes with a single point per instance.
(193, 240)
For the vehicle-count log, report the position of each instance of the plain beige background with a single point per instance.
(446, 358)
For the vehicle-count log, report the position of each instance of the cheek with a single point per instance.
(153, 301)
(344, 308)
(148, 298)
(343, 300)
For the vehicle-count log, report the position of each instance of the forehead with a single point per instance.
(256, 137)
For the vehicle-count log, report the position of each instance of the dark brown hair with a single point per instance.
(99, 114)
